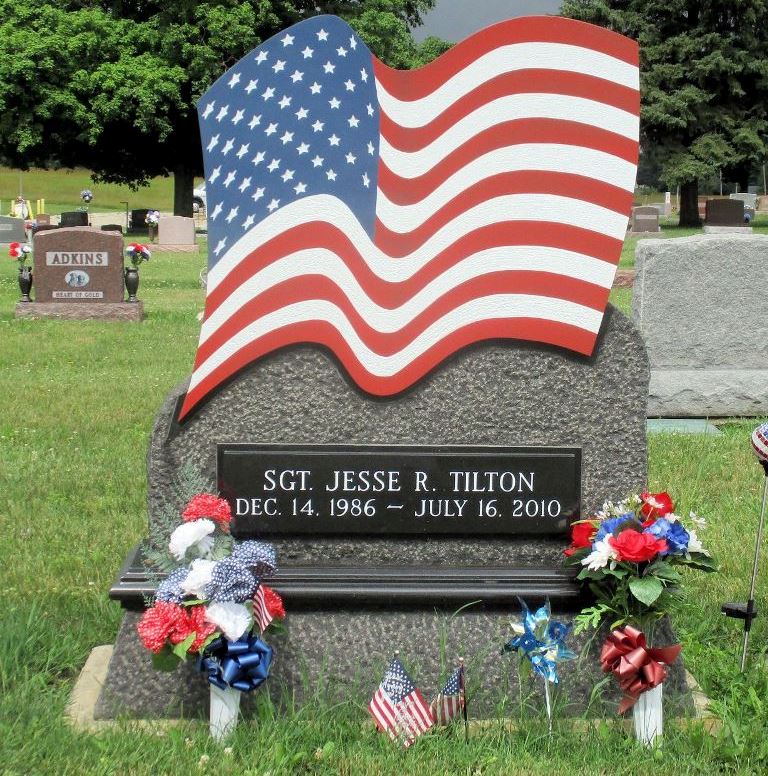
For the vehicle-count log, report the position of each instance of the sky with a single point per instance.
(453, 20)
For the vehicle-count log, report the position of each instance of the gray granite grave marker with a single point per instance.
(12, 230)
(335, 586)
(645, 219)
(700, 304)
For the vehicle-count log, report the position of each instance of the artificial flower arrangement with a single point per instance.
(19, 252)
(152, 218)
(137, 253)
(86, 195)
(628, 554)
(214, 606)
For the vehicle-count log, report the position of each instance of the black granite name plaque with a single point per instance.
(326, 490)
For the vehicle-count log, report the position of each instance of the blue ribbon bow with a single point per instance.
(541, 639)
(243, 664)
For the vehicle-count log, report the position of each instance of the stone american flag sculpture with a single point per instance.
(394, 217)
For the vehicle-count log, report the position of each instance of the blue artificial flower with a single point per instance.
(260, 557)
(609, 526)
(170, 588)
(676, 536)
(231, 580)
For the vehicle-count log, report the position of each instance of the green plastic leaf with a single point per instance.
(181, 649)
(165, 660)
(646, 589)
(663, 570)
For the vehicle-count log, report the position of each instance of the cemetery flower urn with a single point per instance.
(137, 253)
(132, 282)
(20, 252)
(25, 282)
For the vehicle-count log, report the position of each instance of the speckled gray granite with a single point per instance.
(701, 305)
(498, 394)
(492, 394)
(334, 655)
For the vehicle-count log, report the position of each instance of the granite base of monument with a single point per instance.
(82, 311)
(335, 655)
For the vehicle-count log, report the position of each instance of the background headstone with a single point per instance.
(667, 211)
(12, 230)
(112, 228)
(724, 212)
(78, 265)
(645, 219)
(176, 230)
(43, 219)
(74, 218)
(139, 221)
(700, 303)
(491, 394)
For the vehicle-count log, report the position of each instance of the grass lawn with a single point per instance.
(76, 406)
(61, 191)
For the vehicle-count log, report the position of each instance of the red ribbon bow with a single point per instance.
(637, 667)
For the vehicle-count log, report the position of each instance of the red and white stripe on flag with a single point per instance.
(260, 612)
(506, 172)
(450, 701)
(405, 721)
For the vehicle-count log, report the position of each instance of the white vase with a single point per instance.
(225, 706)
(648, 716)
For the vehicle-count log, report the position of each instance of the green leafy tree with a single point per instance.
(703, 80)
(112, 84)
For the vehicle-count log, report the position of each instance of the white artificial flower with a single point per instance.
(700, 521)
(186, 535)
(694, 545)
(601, 553)
(198, 577)
(232, 619)
(672, 517)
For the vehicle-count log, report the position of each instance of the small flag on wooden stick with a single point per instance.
(398, 707)
(450, 700)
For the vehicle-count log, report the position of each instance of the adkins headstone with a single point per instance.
(700, 304)
(79, 273)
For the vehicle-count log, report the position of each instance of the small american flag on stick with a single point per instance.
(450, 700)
(260, 612)
(398, 707)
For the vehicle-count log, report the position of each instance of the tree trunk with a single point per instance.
(183, 183)
(689, 204)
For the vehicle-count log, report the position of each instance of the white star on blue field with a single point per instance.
(295, 117)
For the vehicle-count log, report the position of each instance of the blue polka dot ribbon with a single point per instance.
(243, 664)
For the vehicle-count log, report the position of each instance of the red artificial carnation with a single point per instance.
(273, 602)
(160, 623)
(582, 534)
(656, 504)
(210, 506)
(637, 547)
(194, 622)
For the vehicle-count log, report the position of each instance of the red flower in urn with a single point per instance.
(582, 534)
(637, 547)
(210, 506)
(656, 504)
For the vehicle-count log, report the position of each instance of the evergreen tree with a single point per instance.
(703, 81)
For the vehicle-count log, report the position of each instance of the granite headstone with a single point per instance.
(139, 221)
(74, 218)
(700, 304)
(645, 219)
(176, 230)
(12, 230)
(724, 212)
(500, 396)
